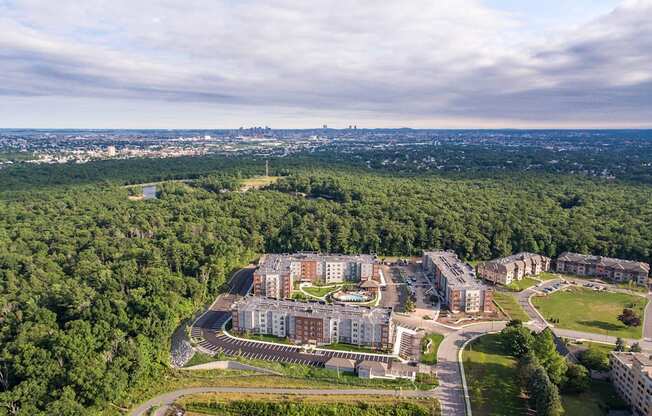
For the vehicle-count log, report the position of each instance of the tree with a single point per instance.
(635, 347)
(546, 351)
(410, 306)
(595, 359)
(544, 395)
(517, 339)
(629, 317)
(620, 345)
(577, 379)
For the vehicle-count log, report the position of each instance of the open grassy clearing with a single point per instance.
(600, 398)
(518, 285)
(429, 355)
(591, 311)
(258, 182)
(235, 404)
(510, 305)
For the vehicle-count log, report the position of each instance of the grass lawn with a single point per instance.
(429, 356)
(518, 285)
(262, 337)
(319, 291)
(340, 346)
(550, 276)
(600, 398)
(590, 311)
(492, 379)
(510, 306)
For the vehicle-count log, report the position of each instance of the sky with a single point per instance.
(302, 64)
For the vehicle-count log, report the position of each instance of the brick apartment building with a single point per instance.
(276, 273)
(616, 270)
(456, 281)
(317, 322)
(631, 374)
(515, 267)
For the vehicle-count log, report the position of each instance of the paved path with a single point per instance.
(170, 397)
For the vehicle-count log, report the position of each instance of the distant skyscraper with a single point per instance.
(111, 151)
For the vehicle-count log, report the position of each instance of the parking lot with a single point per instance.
(207, 330)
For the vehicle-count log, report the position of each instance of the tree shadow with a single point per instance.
(607, 326)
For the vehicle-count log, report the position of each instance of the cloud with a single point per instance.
(416, 60)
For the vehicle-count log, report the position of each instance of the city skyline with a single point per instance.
(470, 64)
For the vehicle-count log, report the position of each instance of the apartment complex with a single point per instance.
(456, 281)
(515, 267)
(616, 270)
(276, 273)
(315, 322)
(631, 374)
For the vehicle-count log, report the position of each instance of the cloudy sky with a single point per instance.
(291, 63)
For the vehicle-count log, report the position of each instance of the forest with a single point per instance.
(92, 284)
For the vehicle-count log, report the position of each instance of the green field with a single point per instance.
(491, 377)
(518, 285)
(320, 291)
(340, 346)
(510, 305)
(590, 311)
(430, 356)
(548, 276)
(263, 337)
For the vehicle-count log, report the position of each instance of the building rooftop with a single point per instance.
(373, 365)
(341, 362)
(587, 259)
(457, 273)
(644, 360)
(314, 309)
(277, 263)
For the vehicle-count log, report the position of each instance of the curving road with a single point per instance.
(166, 399)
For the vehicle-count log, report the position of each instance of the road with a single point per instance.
(450, 391)
(647, 321)
(539, 322)
(167, 399)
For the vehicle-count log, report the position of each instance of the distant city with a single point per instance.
(602, 153)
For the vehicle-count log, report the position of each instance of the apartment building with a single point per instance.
(616, 270)
(315, 322)
(631, 374)
(276, 273)
(515, 267)
(456, 282)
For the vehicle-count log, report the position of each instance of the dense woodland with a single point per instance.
(92, 284)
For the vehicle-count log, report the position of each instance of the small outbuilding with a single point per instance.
(372, 369)
(340, 364)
